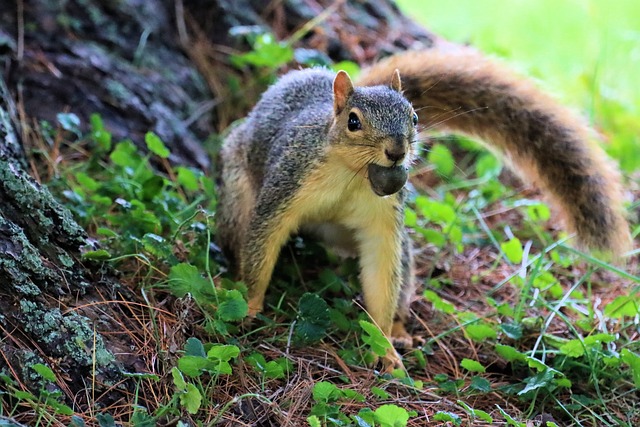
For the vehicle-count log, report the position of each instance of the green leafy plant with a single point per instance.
(274, 369)
(188, 394)
(327, 397)
(374, 338)
(266, 52)
(200, 361)
(47, 403)
(226, 303)
(447, 417)
(144, 208)
(313, 319)
(327, 409)
(476, 413)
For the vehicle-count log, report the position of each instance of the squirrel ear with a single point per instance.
(342, 90)
(395, 81)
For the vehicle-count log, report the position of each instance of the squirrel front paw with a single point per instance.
(391, 361)
(400, 338)
(255, 306)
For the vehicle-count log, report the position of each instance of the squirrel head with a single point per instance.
(375, 128)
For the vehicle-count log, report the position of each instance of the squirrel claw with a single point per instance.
(391, 361)
(400, 338)
(255, 306)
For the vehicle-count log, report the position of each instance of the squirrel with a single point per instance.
(322, 155)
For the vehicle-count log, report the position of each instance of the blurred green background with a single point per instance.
(585, 52)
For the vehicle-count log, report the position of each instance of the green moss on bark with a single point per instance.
(70, 336)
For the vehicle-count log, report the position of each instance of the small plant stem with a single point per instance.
(486, 229)
(592, 365)
(557, 307)
(207, 264)
(314, 22)
(528, 284)
(531, 261)
(566, 411)
(600, 263)
(236, 400)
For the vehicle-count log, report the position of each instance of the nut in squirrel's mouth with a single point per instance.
(387, 180)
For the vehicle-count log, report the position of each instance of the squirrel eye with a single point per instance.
(415, 118)
(354, 122)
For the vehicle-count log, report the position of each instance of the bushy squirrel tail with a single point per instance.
(463, 91)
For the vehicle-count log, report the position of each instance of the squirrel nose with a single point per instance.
(394, 154)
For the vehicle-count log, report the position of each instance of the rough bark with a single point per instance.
(119, 59)
(155, 65)
(42, 277)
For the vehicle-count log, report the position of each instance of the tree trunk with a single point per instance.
(156, 65)
(42, 278)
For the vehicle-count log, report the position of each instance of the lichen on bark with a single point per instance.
(69, 336)
(42, 278)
